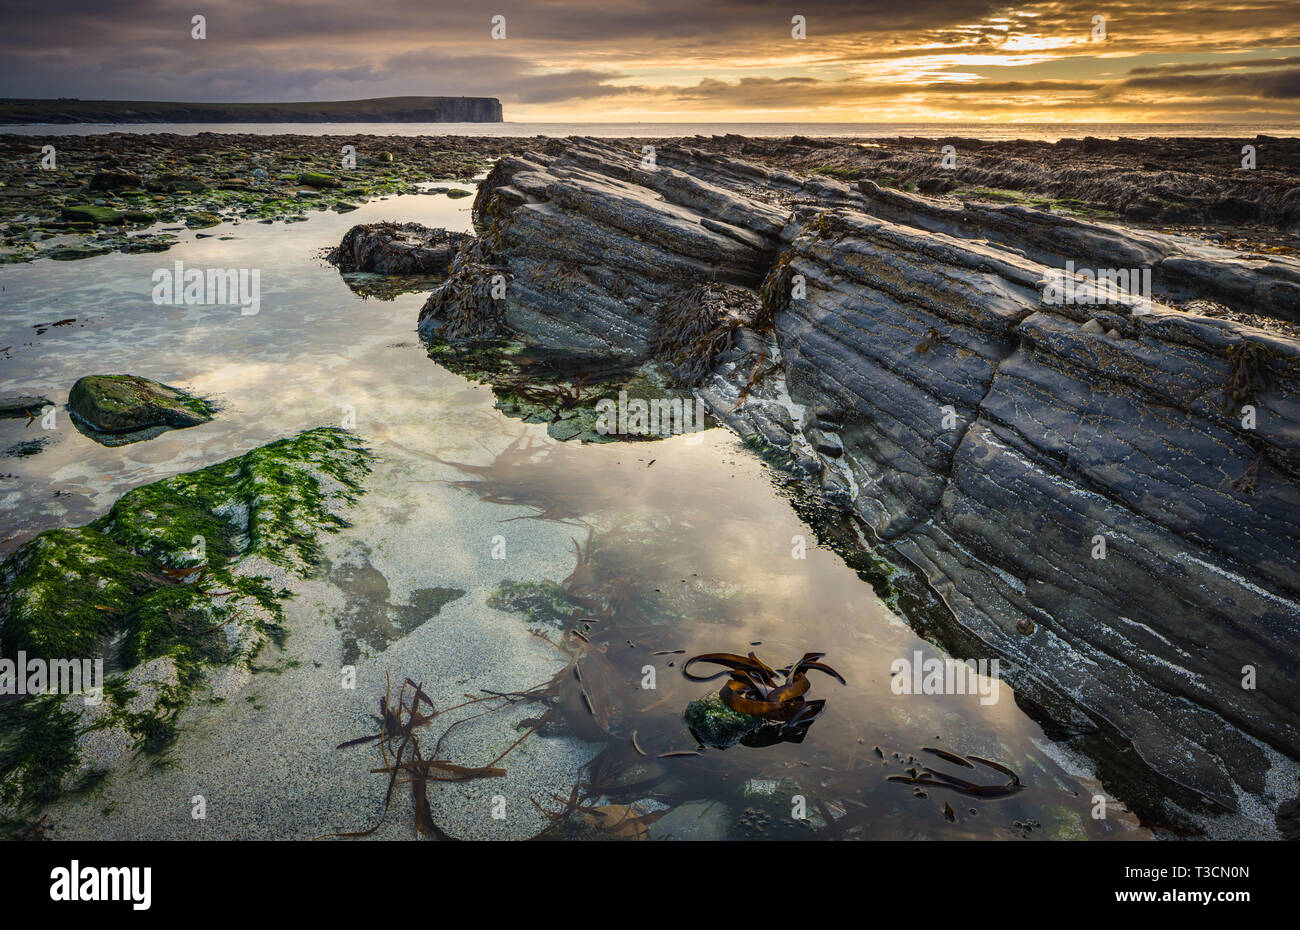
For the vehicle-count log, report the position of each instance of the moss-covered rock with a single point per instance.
(68, 589)
(125, 403)
(169, 575)
(314, 179)
(99, 216)
(715, 724)
(202, 219)
(113, 180)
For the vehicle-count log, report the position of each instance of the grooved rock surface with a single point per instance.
(1102, 489)
(590, 245)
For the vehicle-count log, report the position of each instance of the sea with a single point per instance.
(1047, 132)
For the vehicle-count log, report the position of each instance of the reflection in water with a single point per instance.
(684, 555)
(681, 546)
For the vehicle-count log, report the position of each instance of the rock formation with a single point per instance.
(1099, 483)
(391, 248)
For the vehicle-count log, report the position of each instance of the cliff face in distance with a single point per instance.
(376, 110)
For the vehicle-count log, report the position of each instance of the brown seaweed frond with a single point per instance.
(698, 325)
(756, 689)
(404, 761)
(933, 778)
(1249, 373)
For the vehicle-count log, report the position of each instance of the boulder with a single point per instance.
(126, 403)
(114, 180)
(96, 215)
(314, 179)
(390, 248)
(172, 183)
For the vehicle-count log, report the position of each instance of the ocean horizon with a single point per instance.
(1047, 132)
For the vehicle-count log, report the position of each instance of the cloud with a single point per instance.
(1269, 85)
(581, 59)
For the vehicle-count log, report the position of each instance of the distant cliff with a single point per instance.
(377, 110)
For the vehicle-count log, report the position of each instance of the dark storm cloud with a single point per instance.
(569, 58)
(1187, 68)
(256, 50)
(84, 23)
(1269, 85)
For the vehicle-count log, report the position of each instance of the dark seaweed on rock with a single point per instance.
(699, 325)
(756, 689)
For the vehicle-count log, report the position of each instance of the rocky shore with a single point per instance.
(1098, 481)
(133, 193)
(126, 192)
(1080, 439)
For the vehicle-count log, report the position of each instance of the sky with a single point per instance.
(682, 60)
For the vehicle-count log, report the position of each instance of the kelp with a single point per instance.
(405, 762)
(933, 778)
(578, 818)
(755, 689)
(1249, 374)
(698, 325)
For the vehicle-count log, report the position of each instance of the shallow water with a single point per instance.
(682, 546)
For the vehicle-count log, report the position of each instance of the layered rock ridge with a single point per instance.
(1099, 485)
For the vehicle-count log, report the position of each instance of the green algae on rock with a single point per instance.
(170, 582)
(545, 602)
(126, 403)
(99, 216)
(313, 179)
(715, 724)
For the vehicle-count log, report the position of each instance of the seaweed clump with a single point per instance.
(772, 700)
(699, 324)
(1248, 375)
(405, 761)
